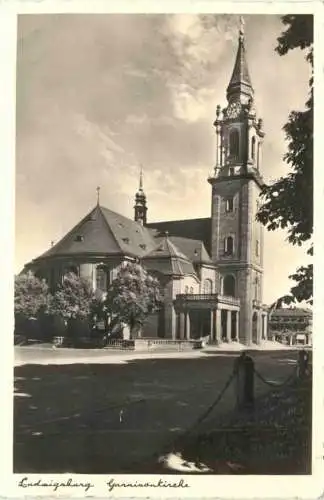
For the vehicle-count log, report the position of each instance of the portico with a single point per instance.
(212, 315)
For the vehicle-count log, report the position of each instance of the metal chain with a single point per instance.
(276, 384)
(209, 409)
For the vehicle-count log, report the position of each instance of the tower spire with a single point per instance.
(240, 86)
(140, 202)
(141, 179)
(98, 195)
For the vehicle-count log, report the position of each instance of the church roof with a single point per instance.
(168, 259)
(194, 249)
(198, 229)
(104, 232)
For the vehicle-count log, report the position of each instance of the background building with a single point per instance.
(291, 325)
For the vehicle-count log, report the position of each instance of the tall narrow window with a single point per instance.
(256, 288)
(186, 290)
(229, 245)
(229, 205)
(234, 142)
(257, 248)
(253, 146)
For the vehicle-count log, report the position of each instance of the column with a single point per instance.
(237, 327)
(259, 331)
(187, 334)
(228, 326)
(218, 326)
(181, 325)
(266, 318)
(212, 325)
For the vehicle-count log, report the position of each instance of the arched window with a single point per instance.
(191, 290)
(186, 290)
(229, 204)
(253, 147)
(229, 245)
(234, 142)
(229, 285)
(102, 278)
(231, 171)
(208, 287)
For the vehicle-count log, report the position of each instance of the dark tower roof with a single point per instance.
(240, 82)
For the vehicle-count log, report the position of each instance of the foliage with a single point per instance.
(288, 202)
(133, 295)
(73, 298)
(31, 295)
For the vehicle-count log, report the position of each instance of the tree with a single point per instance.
(133, 295)
(72, 299)
(288, 202)
(31, 295)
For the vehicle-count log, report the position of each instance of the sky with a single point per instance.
(100, 95)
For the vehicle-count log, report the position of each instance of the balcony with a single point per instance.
(206, 300)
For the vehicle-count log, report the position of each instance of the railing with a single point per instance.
(153, 343)
(125, 345)
(226, 299)
(198, 296)
(179, 343)
(208, 297)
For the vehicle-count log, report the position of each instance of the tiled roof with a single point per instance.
(131, 236)
(194, 249)
(103, 231)
(90, 235)
(197, 229)
(168, 259)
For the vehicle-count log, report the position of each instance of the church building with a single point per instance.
(211, 269)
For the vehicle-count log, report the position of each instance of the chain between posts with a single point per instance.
(276, 384)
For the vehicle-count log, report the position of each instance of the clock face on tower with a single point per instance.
(233, 110)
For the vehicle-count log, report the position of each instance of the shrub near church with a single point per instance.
(132, 296)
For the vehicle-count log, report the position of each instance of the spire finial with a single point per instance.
(241, 27)
(98, 195)
(141, 179)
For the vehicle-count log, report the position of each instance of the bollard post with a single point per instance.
(244, 382)
(302, 364)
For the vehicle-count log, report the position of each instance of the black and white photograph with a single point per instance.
(163, 267)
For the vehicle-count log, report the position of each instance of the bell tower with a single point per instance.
(237, 238)
(140, 208)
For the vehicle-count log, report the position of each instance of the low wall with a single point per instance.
(153, 344)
